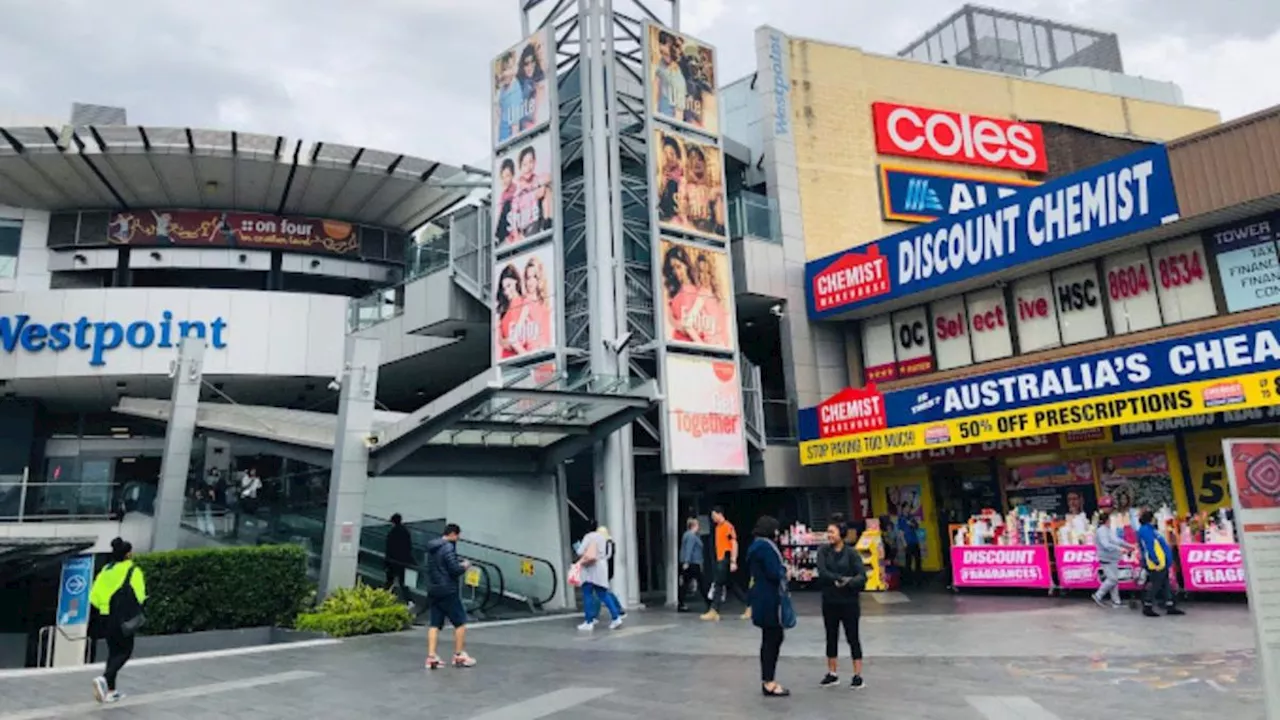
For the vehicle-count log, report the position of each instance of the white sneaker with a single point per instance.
(100, 691)
(615, 624)
(114, 696)
(587, 626)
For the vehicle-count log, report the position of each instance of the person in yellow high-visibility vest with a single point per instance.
(117, 594)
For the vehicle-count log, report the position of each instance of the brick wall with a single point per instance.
(1071, 149)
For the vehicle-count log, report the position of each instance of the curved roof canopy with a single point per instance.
(123, 167)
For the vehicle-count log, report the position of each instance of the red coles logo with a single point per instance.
(852, 411)
(853, 278)
(908, 131)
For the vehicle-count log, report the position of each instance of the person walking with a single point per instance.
(725, 564)
(1110, 546)
(445, 599)
(118, 594)
(594, 570)
(398, 556)
(1155, 556)
(768, 583)
(842, 577)
(913, 561)
(690, 563)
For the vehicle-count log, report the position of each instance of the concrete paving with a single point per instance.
(928, 657)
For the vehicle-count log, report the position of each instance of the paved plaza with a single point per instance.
(928, 657)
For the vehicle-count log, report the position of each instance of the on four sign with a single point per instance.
(908, 131)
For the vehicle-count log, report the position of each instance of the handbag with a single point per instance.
(786, 610)
(575, 575)
(125, 605)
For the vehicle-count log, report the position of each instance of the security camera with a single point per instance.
(371, 441)
(776, 310)
(335, 384)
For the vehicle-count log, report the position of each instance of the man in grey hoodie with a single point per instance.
(1110, 547)
(690, 563)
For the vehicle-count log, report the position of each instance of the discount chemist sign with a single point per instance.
(1221, 371)
(98, 338)
(1105, 202)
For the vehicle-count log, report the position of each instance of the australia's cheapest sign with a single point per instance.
(908, 131)
(1099, 204)
(1233, 369)
(97, 338)
(1001, 566)
(1212, 568)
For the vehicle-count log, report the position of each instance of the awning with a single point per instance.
(120, 167)
(513, 424)
(19, 556)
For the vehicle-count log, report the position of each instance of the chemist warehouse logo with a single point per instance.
(850, 411)
(852, 278)
(98, 338)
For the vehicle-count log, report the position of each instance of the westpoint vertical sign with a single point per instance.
(99, 337)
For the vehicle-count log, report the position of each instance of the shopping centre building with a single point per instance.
(667, 291)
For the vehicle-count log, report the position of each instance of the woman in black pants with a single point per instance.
(768, 575)
(842, 577)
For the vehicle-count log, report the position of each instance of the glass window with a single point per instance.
(1248, 260)
(1037, 312)
(1079, 301)
(1131, 288)
(10, 244)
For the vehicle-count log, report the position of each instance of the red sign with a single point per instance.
(851, 411)
(853, 278)
(214, 228)
(907, 131)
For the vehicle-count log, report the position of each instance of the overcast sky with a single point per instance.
(411, 75)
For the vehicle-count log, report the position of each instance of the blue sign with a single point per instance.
(1177, 361)
(1108, 201)
(73, 591)
(921, 196)
(781, 85)
(100, 337)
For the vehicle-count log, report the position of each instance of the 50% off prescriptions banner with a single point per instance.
(1160, 403)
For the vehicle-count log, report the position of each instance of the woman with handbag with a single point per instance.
(842, 578)
(118, 594)
(771, 609)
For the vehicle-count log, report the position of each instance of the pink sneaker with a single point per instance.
(433, 662)
(463, 660)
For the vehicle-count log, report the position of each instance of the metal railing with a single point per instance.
(754, 215)
(752, 403)
(376, 307)
(24, 501)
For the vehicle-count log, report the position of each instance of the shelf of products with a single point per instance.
(799, 547)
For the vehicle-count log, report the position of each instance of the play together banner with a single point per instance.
(1225, 370)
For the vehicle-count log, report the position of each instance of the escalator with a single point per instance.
(511, 585)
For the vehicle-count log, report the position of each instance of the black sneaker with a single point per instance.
(1174, 611)
(829, 681)
(857, 683)
(1150, 611)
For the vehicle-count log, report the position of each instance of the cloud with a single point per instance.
(412, 75)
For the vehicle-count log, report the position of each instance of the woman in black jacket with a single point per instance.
(842, 577)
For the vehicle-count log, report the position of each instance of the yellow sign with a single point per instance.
(1170, 401)
(1205, 466)
(526, 567)
(472, 578)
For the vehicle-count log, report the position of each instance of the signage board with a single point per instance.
(911, 342)
(1011, 566)
(1224, 370)
(989, 323)
(919, 195)
(229, 229)
(98, 338)
(73, 591)
(1107, 201)
(1249, 263)
(1182, 282)
(1253, 470)
(1037, 313)
(1077, 296)
(878, 360)
(942, 135)
(1131, 289)
(951, 341)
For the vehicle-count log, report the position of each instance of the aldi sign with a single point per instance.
(919, 196)
(906, 131)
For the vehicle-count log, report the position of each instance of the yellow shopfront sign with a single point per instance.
(1151, 383)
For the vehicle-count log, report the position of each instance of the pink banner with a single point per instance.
(995, 566)
(1078, 568)
(1212, 568)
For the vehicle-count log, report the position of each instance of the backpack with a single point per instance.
(608, 553)
(126, 611)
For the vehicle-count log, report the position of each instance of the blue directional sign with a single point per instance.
(73, 591)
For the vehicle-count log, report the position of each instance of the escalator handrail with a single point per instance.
(490, 570)
(463, 542)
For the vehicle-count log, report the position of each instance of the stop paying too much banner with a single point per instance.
(1223, 370)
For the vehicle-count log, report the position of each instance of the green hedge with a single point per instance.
(224, 588)
(359, 610)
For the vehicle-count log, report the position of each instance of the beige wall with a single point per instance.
(832, 91)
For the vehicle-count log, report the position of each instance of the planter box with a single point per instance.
(209, 640)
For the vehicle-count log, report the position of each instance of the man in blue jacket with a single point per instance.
(1156, 557)
(444, 598)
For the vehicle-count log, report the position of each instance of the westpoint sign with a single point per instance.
(20, 332)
